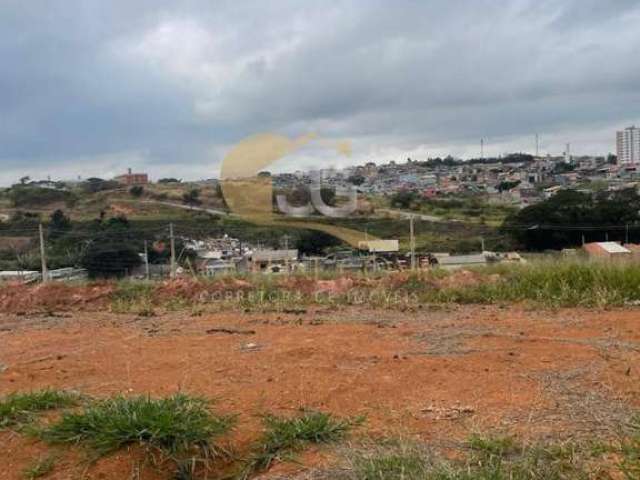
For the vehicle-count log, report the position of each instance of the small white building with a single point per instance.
(606, 250)
(380, 246)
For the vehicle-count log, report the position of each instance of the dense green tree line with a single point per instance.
(571, 217)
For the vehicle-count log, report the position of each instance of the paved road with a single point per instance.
(388, 211)
(211, 211)
(404, 214)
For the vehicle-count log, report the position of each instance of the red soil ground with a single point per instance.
(435, 374)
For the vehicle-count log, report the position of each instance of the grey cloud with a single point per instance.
(182, 80)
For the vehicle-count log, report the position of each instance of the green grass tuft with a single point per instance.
(21, 408)
(285, 436)
(174, 425)
(41, 467)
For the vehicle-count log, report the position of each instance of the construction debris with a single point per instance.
(231, 331)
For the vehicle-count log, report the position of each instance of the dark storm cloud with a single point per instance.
(168, 86)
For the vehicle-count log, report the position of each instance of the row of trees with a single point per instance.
(106, 247)
(571, 217)
(111, 247)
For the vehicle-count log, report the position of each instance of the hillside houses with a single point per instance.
(517, 179)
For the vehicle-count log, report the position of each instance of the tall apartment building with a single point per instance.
(628, 146)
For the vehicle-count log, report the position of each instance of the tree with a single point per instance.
(328, 195)
(220, 194)
(169, 180)
(109, 260)
(136, 191)
(568, 217)
(160, 252)
(312, 242)
(356, 180)
(59, 224)
(94, 184)
(563, 167)
(505, 186)
(297, 196)
(113, 253)
(404, 199)
(24, 180)
(192, 197)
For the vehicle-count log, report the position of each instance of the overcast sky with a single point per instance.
(91, 87)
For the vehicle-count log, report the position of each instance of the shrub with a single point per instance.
(26, 196)
(136, 191)
(192, 197)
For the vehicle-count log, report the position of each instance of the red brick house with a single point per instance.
(130, 178)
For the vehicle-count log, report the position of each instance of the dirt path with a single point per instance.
(436, 374)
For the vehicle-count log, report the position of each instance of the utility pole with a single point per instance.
(43, 257)
(482, 149)
(537, 145)
(412, 243)
(173, 251)
(285, 239)
(626, 235)
(482, 243)
(146, 260)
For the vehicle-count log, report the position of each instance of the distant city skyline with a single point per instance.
(305, 163)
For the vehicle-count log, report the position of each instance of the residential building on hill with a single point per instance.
(130, 178)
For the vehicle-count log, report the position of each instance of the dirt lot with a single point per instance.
(437, 374)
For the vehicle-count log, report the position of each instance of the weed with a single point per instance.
(285, 436)
(21, 408)
(566, 283)
(130, 296)
(557, 283)
(490, 459)
(40, 467)
(630, 450)
(146, 310)
(174, 425)
(390, 460)
(186, 470)
(498, 446)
